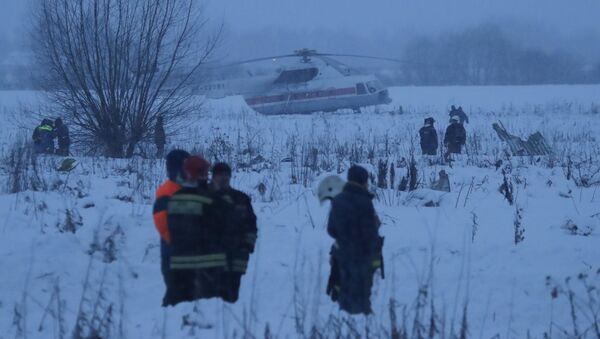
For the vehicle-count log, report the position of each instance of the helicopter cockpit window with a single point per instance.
(297, 76)
(372, 86)
(360, 89)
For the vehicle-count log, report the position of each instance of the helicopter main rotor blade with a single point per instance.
(237, 63)
(364, 57)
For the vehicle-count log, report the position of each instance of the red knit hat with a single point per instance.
(196, 168)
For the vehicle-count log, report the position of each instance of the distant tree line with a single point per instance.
(484, 55)
(480, 55)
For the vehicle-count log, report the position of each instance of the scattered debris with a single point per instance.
(424, 197)
(67, 165)
(443, 183)
(583, 228)
(535, 144)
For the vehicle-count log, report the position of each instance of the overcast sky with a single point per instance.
(562, 18)
(425, 15)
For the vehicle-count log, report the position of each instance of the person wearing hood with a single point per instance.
(160, 137)
(356, 254)
(240, 231)
(456, 136)
(164, 193)
(43, 137)
(198, 256)
(62, 136)
(460, 113)
(429, 138)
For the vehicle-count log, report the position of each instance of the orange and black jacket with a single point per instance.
(163, 195)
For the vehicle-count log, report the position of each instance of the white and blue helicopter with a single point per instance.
(315, 83)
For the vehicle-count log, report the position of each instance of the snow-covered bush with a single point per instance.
(25, 170)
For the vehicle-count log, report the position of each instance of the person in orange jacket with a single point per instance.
(198, 257)
(164, 193)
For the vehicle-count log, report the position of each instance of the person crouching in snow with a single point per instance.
(43, 137)
(356, 254)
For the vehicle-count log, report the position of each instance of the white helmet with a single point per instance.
(330, 187)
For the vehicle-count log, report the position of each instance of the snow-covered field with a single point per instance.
(450, 265)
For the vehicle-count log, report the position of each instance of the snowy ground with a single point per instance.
(106, 275)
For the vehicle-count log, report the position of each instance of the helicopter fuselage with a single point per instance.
(322, 84)
(327, 95)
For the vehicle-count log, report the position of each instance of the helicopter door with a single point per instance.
(361, 89)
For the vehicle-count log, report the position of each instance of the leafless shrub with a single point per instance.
(220, 149)
(28, 171)
(382, 173)
(56, 310)
(474, 226)
(585, 173)
(71, 223)
(506, 188)
(518, 225)
(410, 181)
(115, 66)
(583, 301)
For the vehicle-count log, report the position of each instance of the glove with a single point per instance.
(376, 264)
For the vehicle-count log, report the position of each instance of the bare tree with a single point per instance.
(114, 66)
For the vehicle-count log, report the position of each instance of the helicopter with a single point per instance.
(316, 83)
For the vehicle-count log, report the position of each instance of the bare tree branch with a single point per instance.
(115, 66)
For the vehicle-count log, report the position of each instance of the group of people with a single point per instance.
(454, 139)
(45, 134)
(207, 230)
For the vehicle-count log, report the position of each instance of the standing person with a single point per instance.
(198, 256)
(356, 253)
(160, 138)
(240, 229)
(43, 137)
(460, 113)
(174, 164)
(456, 136)
(62, 135)
(429, 138)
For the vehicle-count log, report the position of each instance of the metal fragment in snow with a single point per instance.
(535, 144)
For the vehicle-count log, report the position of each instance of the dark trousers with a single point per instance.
(350, 284)
(191, 285)
(230, 286)
(165, 259)
(428, 151)
(454, 148)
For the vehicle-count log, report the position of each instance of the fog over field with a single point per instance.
(417, 169)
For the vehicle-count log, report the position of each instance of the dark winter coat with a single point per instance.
(64, 141)
(455, 138)
(197, 256)
(160, 138)
(354, 226)
(43, 138)
(429, 140)
(239, 238)
(461, 115)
